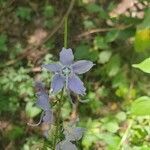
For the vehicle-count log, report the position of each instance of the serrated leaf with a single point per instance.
(141, 106)
(144, 65)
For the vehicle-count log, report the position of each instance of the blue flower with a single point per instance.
(66, 71)
(66, 145)
(43, 103)
(72, 134)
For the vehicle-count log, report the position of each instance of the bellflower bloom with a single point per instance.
(66, 71)
(72, 134)
(43, 102)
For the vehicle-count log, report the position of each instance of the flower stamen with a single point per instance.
(66, 71)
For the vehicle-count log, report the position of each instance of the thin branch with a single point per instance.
(86, 33)
(35, 125)
(126, 134)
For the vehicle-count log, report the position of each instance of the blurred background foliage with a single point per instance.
(112, 34)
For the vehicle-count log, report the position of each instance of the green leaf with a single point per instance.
(122, 91)
(100, 43)
(103, 14)
(91, 135)
(121, 116)
(66, 110)
(48, 11)
(104, 56)
(111, 140)
(113, 66)
(146, 21)
(120, 80)
(31, 110)
(142, 37)
(16, 132)
(112, 127)
(83, 52)
(88, 24)
(93, 8)
(3, 40)
(141, 106)
(24, 13)
(142, 40)
(144, 65)
(111, 36)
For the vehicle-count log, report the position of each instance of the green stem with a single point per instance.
(58, 111)
(58, 120)
(65, 32)
(125, 136)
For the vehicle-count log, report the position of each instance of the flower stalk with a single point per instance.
(66, 77)
(65, 31)
(59, 105)
(58, 120)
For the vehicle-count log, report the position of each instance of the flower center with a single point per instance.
(66, 71)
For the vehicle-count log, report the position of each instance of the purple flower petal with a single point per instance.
(43, 98)
(55, 67)
(76, 85)
(57, 83)
(66, 145)
(66, 56)
(43, 101)
(74, 133)
(48, 117)
(82, 66)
